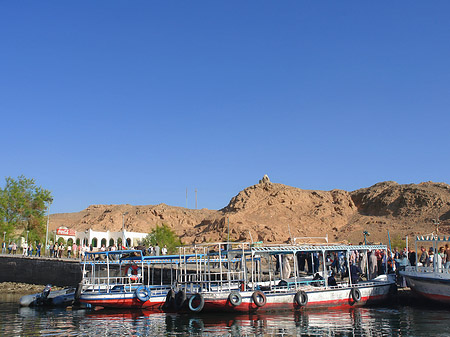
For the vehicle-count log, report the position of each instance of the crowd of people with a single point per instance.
(54, 250)
(441, 257)
(358, 264)
(71, 250)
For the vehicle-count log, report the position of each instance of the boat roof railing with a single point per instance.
(289, 249)
(217, 243)
(259, 247)
(116, 252)
(133, 255)
(431, 238)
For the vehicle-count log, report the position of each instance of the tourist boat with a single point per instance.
(431, 282)
(239, 277)
(126, 279)
(55, 298)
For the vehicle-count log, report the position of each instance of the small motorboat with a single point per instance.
(56, 298)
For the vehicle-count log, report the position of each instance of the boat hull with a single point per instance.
(433, 286)
(122, 300)
(316, 298)
(56, 298)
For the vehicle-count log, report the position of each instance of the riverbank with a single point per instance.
(43, 271)
(22, 288)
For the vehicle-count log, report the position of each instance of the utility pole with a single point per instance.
(186, 197)
(228, 228)
(195, 198)
(124, 244)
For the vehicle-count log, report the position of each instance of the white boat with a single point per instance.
(238, 277)
(431, 282)
(126, 279)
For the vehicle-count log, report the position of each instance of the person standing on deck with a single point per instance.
(355, 271)
(373, 266)
(363, 262)
(423, 259)
(412, 257)
(446, 256)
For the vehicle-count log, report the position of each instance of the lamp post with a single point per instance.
(4, 243)
(27, 242)
(366, 233)
(46, 232)
(4, 236)
(123, 229)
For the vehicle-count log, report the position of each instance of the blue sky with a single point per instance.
(132, 102)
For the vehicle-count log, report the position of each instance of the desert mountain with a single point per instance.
(272, 212)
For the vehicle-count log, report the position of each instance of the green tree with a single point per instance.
(398, 242)
(22, 208)
(163, 235)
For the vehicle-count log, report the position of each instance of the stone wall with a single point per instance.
(40, 271)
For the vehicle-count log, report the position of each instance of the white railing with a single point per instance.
(429, 269)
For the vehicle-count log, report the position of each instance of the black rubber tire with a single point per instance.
(259, 298)
(235, 298)
(356, 294)
(199, 307)
(180, 299)
(170, 300)
(301, 298)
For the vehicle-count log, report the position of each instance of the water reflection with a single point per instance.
(382, 321)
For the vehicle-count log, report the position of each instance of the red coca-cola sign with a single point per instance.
(65, 231)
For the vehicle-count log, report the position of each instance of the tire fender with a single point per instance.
(301, 298)
(199, 307)
(142, 293)
(180, 299)
(259, 298)
(356, 294)
(235, 298)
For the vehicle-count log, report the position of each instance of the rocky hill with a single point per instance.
(272, 212)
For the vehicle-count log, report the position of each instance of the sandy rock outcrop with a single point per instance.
(273, 212)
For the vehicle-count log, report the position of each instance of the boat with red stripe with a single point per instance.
(242, 277)
(126, 279)
(432, 279)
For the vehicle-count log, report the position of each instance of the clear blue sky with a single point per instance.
(132, 102)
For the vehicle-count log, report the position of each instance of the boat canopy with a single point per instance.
(289, 249)
(121, 256)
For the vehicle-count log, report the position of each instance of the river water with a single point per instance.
(396, 320)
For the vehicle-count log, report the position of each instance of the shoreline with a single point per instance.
(22, 288)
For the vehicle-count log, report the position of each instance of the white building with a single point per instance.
(99, 239)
